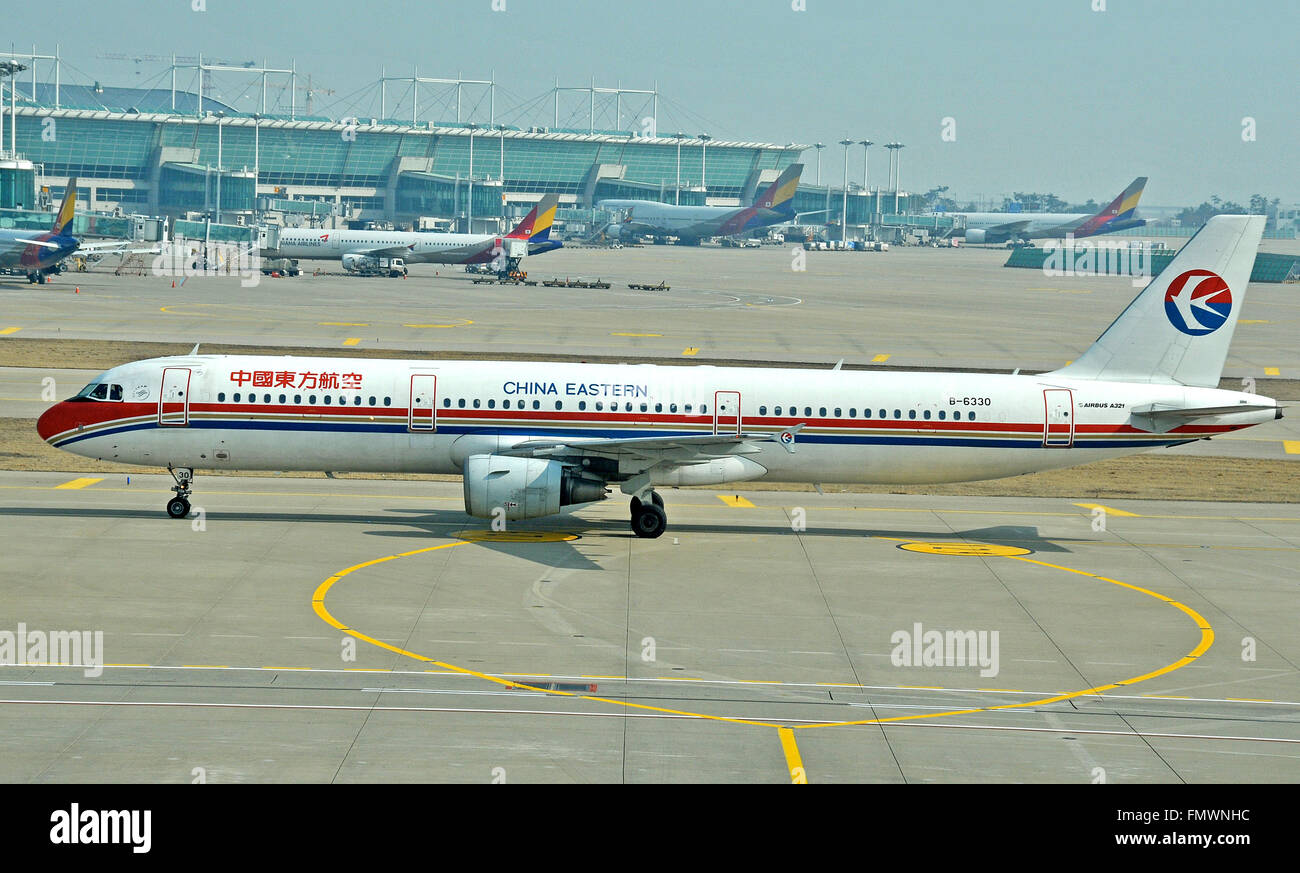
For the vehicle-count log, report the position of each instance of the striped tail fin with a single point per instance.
(780, 194)
(1121, 214)
(63, 220)
(536, 225)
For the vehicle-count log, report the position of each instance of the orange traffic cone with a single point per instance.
(173, 283)
(78, 291)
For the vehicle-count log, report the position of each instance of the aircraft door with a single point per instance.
(1058, 425)
(726, 412)
(174, 399)
(422, 413)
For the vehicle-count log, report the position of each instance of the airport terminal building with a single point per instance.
(161, 153)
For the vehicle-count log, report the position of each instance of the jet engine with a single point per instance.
(353, 263)
(524, 487)
(976, 236)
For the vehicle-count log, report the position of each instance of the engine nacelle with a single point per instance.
(352, 263)
(524, 487)
(976, 236)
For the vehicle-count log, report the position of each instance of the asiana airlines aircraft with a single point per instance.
(530, 438)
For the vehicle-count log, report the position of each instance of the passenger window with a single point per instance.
(582, 404)
(600, 407)
(866, 413)
(911, 413)
(343, 401)
(283, 399)
(704, 407)
(762, 410)
(388, 401)
(505, 404)
(477, 403)
(807, 411)
(837, 412)
(672, 407)
(356, 401)
(446, 402)
(559, 404)
(310, 400)
(252, 398)
(956, 416)
(822, 412)
(266, 398)
(943, 414)
(898, 413)
(884, 414)
(221, 397)
(927, 415)
(688, 409)
(853, 412)
(644, 407)
(328, 400)
(492, 404)
(537, 404)
(776, 411)
(659, 407)
(970, 416)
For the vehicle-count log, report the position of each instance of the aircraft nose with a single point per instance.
(55, 420)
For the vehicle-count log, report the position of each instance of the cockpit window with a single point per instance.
(100, 391)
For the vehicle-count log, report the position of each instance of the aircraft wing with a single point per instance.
(679, 449)
(1009, 227)
(387, 252)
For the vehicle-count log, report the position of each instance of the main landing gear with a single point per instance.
(649, 519)
(179, 506)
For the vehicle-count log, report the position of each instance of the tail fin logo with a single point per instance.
(1198, 302)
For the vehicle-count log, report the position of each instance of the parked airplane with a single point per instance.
(773, 205)
(358, 249)
(40, 253)
(999, 227)
(530, 438)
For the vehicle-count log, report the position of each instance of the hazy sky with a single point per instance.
(1044, 95)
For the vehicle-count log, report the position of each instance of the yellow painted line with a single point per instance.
(692, 350)
(464, 322)
(78, 483)
(1254, 321)
(1272, 371)
(636, 334)
(1292, 447)
(344, 323)
(1110, 510)
(207, 666)
(8, 330)
(925, 687)
(735, 500)
(351, 341)
(880, 359)
(1250, 699)
(798, 776)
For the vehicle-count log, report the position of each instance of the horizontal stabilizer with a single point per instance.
(1160, 418)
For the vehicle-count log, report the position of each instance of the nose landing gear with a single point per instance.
(179, 506)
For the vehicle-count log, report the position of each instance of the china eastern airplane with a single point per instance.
(357, 249)
(999, 227)
(530, 438)
(773, 205)
(40, 253)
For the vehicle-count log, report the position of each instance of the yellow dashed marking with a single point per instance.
(692, 350)
(982, 550)
(78, 483)
(1291, 447)
(636, 334)
(464, 322)
(343, 323)
(880, 359)
(735, 500)
(8, 330)
(351, 341)
(1109, 510)
(1254, 321)
(1272, 371)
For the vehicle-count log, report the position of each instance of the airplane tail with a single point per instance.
(1121, 214)
(1177, 331)
(536, 225)
(63, 220)
(780, 194)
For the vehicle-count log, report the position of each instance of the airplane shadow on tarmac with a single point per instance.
(579, 553)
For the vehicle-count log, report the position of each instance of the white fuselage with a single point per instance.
(272, 413)
(414, 248)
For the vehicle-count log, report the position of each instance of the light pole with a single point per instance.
(9, 68)
(704, 138)
(220, 117)
(677, 192)
(844, 209)
(893, 156)
(898, 173)
(469, 205)
(257, 151)
(501, 132)
(819, 146)
(866, 154)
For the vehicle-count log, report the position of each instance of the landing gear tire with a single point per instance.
(658, 501)
(33, 278)
(649, 521)
(178, 507)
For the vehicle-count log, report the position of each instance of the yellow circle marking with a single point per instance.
(517, 536)
(982, 550)
(1207, 639)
